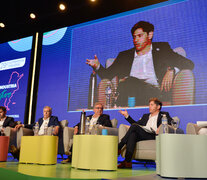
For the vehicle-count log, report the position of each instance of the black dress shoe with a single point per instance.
(68, 160)
(15, 152)
(125, 165)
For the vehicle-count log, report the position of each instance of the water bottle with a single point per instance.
(164, 123)
(108, 93)
(45, 128)
(87, 125)
(36, 128)
(82, 122)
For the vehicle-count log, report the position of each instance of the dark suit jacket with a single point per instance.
(52, 122)
(163, 57)
(9, 121)
(143, 121)
(103, 120)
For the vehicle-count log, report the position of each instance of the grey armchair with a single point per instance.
(145, 150)
(11, 132)
(192, 128)
(69, 131)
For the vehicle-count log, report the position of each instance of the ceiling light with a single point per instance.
(62, 6)
(32, 16)
(2, 25)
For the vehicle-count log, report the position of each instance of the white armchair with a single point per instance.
(146, 149)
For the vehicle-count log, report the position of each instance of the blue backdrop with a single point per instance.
(14, 71)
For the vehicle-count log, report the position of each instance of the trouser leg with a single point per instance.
(135, 134)
(130, 146)
(126, 137)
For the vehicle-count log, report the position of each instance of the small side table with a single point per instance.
(39, 149)
(181, 155)
(4, 147)
(96, 152)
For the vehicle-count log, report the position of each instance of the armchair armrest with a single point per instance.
(122, 131)
(23, 132)
(183, 88)
(12, 133)
(192, 128)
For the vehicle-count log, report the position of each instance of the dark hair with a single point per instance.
(3, 108)
(156, 101)
(146, 26)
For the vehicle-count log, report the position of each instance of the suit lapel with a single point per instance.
(5, 122)
(159, 119)
(130, 60)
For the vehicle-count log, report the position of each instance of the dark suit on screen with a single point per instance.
(163, 59)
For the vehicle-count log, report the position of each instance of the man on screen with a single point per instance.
(144, 129)
(144, 71)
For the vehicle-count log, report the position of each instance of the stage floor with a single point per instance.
(13, 170)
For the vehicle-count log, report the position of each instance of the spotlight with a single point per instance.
(93, 0)
(32, 16)
(2, 25)
(62, 6)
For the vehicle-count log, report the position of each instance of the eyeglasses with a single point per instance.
(98, 108)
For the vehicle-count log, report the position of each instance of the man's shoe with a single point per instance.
(65, 161)
(125, 165)
(68, 153)
(15, 152)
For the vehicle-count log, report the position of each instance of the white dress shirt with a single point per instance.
(152, 123)
(93, 121)
(143, 68)
(44, 124)
(1, 123)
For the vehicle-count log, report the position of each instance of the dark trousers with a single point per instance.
(140, 90)
(133, 135)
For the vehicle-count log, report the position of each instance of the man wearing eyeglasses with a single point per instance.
(97, 118)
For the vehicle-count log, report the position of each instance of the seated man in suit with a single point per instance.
(144, 129)
(47, 120)
(5, 120)
(97, 118)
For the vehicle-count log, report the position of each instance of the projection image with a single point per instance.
(109, 61)
(14, 72)
(154, 53)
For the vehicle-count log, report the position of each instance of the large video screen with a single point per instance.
(14, 72)
(172, 68)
